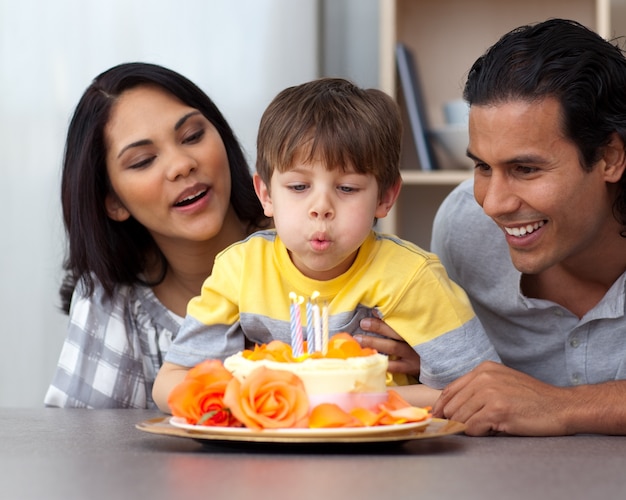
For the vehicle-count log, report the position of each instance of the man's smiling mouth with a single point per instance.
(524, 230)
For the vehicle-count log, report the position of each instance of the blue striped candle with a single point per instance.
(299, 349)
(325, 328)
(317, 325)
(310, 336)
(296, 325)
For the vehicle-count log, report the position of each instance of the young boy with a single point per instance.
(327, 167)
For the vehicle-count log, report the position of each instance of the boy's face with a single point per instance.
(323, 216)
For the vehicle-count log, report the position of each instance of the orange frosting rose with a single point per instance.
(397, 411)
(344, 346)
(330, 415)
(341, 346)
(199, 397)
(394, 411)
(268, 399)
(274, 351)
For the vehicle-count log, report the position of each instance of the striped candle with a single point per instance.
(317, 326)
(310, 327)
(296, 326)
(325, 328)
(299, 349)
(292, 319)
(310, 336)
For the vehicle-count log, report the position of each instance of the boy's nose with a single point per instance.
(322, 207)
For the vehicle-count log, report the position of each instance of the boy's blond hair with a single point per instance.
(333, 121)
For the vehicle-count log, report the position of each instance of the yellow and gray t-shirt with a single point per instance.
(246, 301)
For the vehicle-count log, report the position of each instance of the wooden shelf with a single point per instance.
(435, 177)
(445, 38)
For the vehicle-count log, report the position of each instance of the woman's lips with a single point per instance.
(191, 195)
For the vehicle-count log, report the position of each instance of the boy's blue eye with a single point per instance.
(298, 187)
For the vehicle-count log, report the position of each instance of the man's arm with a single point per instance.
(494, 399)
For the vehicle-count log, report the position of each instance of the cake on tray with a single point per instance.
(346, 374)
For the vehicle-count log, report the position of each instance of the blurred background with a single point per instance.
(241, 52)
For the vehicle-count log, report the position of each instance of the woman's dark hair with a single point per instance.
(116, 252)
(564, 60)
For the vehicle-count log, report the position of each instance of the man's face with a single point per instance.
(529, 180)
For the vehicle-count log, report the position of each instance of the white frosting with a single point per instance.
(327, 376)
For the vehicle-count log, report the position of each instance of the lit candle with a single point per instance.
(325, 328)
(310, 339)
(299, 350)
(317, 326)
(310, 329)
(296, 325)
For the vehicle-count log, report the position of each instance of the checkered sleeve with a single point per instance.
(102, 363)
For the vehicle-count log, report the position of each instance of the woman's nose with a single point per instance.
(180, 164)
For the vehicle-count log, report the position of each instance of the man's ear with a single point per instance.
(614, 159)
(263, 193)
(388, 199)
(115, 209)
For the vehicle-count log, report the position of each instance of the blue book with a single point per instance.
(415, 108)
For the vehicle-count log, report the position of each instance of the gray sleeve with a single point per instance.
(196, 342)
(453, 354)
(450, 231)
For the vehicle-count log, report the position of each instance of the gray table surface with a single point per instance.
(85, 454)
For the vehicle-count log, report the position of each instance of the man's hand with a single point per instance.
(494, 399)
(402, 357)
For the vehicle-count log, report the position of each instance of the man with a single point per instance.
(544, 260)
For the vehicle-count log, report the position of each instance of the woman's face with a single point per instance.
(167, 165)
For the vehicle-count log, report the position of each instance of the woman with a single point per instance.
(154, 185)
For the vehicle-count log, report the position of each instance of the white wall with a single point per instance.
(241, 52)
(350, 40)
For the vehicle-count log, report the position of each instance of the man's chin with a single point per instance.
(523, 262)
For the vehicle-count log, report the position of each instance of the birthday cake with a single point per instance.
(345, 374)
(323, 382)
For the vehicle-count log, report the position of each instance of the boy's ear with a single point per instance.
(115, 209)
(388, 199)
(614, 159)
(263, 193)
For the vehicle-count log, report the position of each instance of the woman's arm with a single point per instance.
(101, 364)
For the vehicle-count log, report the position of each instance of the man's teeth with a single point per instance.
(521, 231)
